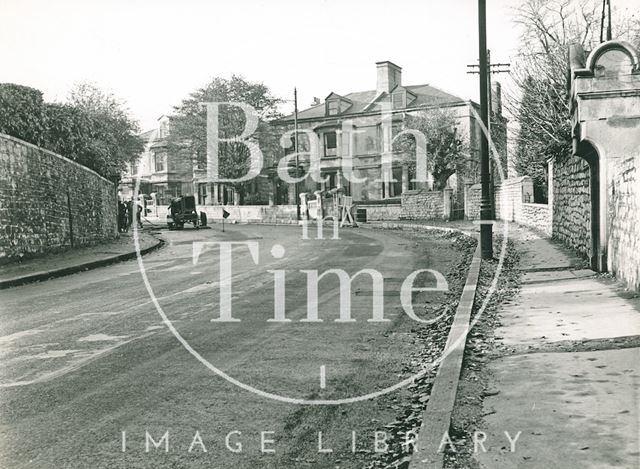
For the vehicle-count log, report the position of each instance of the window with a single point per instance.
(174, 189)
(159, 161)
(367, 140)
(398, 100)
(165, 192)
(332, 182)
(330, 144)
(333, 107)
(396, 187)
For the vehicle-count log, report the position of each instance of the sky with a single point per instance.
(152, 54)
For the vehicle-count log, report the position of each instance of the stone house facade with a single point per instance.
(352, 127)
(160, 173)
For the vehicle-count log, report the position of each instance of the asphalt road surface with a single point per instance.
(92, 377)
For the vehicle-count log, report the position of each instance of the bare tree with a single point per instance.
(539, 102)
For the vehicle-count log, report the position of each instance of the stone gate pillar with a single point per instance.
(605, 99)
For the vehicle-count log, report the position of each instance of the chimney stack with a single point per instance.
(496, 98)
(389, 75)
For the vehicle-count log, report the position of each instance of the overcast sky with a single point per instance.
(153, 53)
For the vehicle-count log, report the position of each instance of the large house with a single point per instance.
(158, 172)
(364, 110)
(164, 175)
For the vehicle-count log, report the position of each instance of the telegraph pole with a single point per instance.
(486, 227)
(492, 68)
(295, 145)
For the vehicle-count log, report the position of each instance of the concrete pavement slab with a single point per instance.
(575, 410)
(573, 309)
(551, 275)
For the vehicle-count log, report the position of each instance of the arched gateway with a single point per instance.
(605, 118)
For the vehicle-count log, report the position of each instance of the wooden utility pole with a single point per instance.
(486, 227)
(492, 68)
(295, 145)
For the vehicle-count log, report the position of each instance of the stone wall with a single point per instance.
(426, 205)
(537, 216)
(380, 212)
(572, 203)
(49, 203)
(280, 214)
(624, 219)
(510, 195)
(513, 203)
(472, 196)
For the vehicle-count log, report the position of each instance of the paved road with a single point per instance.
(87, 357)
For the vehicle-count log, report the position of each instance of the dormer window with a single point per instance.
(333, 107)
(336, 104)
(399, 100)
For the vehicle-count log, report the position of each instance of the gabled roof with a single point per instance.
(402, 88)
(368, 101)
(336, 95)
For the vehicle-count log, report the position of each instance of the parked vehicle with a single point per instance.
(183, 210)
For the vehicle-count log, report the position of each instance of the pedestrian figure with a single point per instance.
(129, 214)
(122, 217)
(139, 214)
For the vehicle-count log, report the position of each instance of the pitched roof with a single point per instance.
(426, 95)
(148, 135)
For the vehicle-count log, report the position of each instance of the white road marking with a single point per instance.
(47, 376)
(19, 335)
(323, 379)
(102, 338)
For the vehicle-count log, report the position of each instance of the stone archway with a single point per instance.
(597, 255)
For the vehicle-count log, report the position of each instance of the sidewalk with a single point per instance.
(75, 260)
(568, 373)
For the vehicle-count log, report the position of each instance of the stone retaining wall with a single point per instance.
(50, 203)
(572, 203)
(537, 216)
